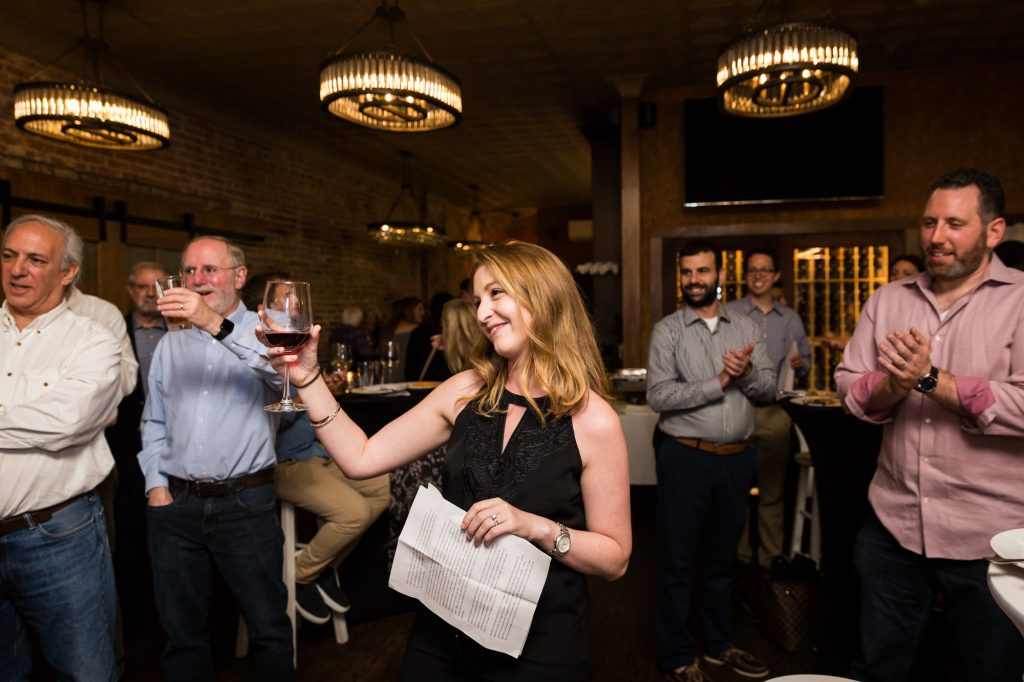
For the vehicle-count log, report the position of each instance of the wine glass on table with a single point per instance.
(389, 358)
(342, 361)
(287, 321)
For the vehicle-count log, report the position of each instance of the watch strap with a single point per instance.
(226, 327)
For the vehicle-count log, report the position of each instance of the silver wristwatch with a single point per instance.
(562, 542)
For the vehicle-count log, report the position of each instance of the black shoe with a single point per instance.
(310, 604)
(331, 592)
(739, 661)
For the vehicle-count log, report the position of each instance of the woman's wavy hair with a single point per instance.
(461, 333)
(562, 357)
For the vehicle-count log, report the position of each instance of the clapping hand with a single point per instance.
(736, 362)
(906, 358)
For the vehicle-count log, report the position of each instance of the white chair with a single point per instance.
(291, 548)
(806, 497)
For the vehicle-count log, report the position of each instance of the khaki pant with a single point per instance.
(771, 442)
(347, 507)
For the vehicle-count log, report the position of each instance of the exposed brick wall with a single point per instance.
(312, 210)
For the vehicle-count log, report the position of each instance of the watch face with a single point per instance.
(562, 544)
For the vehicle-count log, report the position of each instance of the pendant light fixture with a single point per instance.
(387, 89)
(474, 240)
(415, 232)
(85, 112)
(786, 69)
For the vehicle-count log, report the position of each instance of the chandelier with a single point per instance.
(410, 233)
(786, 69)
(474, 241)
(87, 113)
(387, 89)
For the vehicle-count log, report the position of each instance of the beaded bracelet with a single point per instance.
(320, 423)
(308, 383)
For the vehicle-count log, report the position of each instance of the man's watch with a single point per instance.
(562, 542)
(226, 327)
(929, 381)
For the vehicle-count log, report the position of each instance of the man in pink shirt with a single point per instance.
(939, 360)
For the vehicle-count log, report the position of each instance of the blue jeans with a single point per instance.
(702, 505)
(896, 598)
(56, 579)
(239, 533)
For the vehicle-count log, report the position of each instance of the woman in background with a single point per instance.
(533, 450)
(905, 265)
(460, 334)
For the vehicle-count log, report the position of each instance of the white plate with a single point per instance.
(1009, 544)
(817, 401)
(381, 389)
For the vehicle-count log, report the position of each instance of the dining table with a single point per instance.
(1006, 583)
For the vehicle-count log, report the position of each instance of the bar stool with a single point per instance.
(806, 497)
(291, 548)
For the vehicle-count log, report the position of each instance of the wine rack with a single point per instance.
(831, 285)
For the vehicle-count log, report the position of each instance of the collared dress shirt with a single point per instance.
(781, 326)
(683, 364)
(58, 387)
(946, 483)
(204, 417)
(107, 314)
(146, 339)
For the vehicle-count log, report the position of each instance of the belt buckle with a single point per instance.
(207, 487)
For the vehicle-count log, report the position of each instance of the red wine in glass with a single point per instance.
(290, 341)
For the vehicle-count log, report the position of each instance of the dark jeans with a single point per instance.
(896, 598)
(241, 534)
(702, 505)
(56, 580)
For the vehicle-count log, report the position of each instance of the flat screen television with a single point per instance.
(831, 155)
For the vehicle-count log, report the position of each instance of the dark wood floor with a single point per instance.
(623, 631)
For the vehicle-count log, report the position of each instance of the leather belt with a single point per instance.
(720, 449)
(32, 518)
(219, 488)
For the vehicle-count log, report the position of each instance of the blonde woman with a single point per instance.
(533, 449)
(460, 334)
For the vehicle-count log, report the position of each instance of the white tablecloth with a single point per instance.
(638, 422)
(1007, 586)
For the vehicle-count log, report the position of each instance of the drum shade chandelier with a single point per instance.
(786, 69)
(411, 233)
(85, 112)
(385, 88)
(474, 240)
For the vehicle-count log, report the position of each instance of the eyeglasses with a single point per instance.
(760, 271)
(207, 270)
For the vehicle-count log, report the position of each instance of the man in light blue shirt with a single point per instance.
(208, 459)
(782, 329)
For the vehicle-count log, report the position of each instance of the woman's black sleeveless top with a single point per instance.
(539, 472)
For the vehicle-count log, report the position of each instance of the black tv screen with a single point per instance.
(834, 154)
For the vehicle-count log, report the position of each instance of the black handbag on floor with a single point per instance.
(791, 605)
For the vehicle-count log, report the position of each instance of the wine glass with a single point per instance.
(389, 358)
(287, 320)
(342, 361)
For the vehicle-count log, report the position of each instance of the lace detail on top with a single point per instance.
(489, 472)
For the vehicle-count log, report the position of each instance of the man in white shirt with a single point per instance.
(59, 375)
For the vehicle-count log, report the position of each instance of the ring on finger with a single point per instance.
(494, 518)
(181, 306)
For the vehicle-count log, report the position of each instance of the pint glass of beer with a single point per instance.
(172, 282)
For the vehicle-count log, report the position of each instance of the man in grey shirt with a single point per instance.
(787, 347)
(706, 368)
